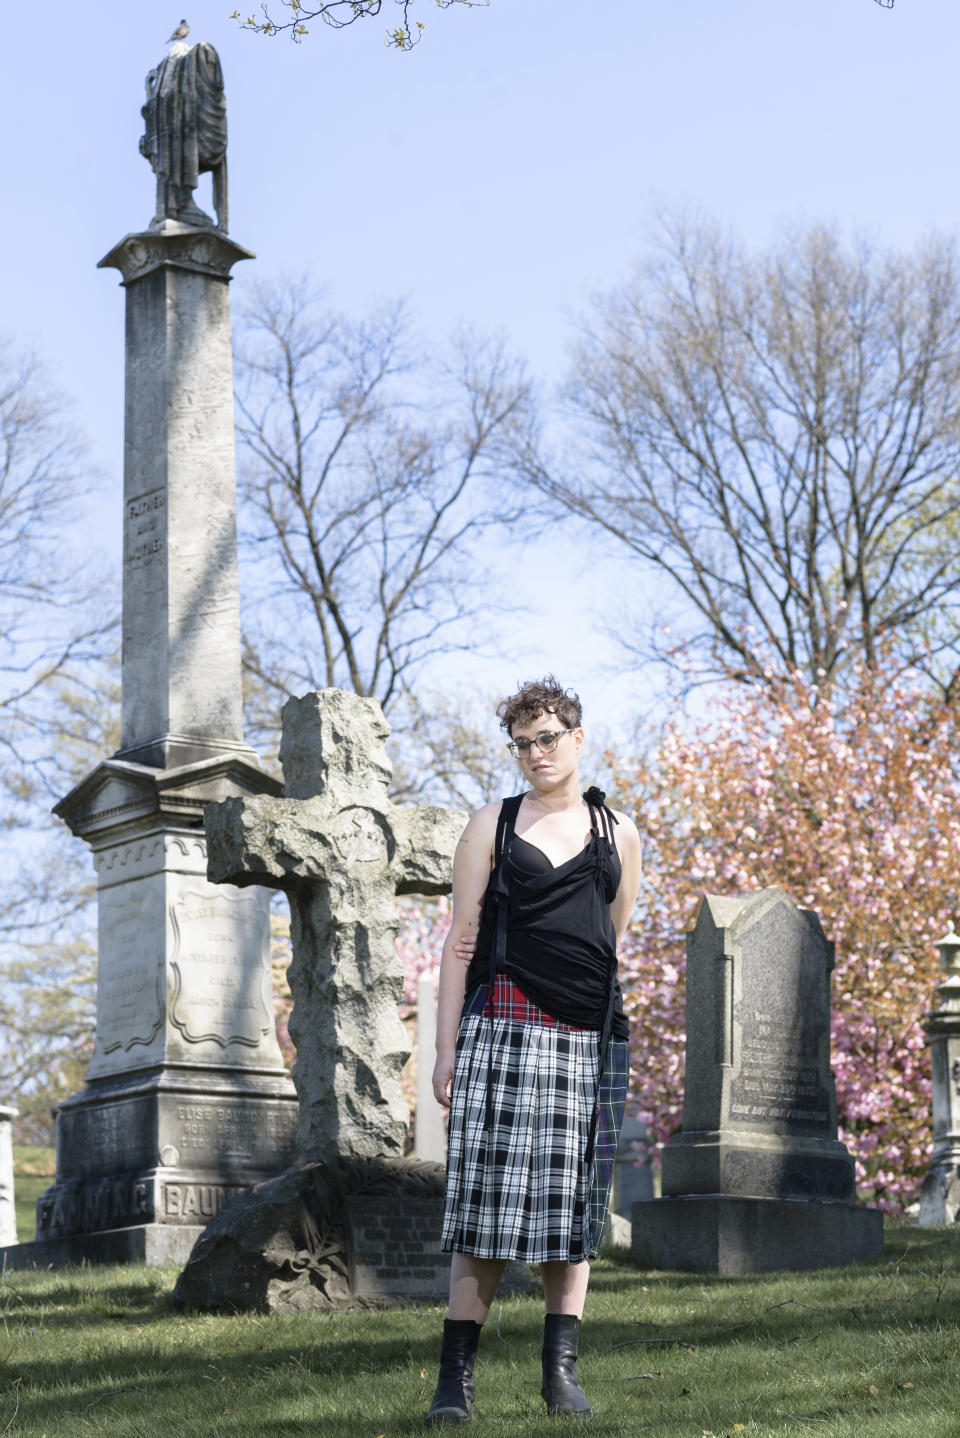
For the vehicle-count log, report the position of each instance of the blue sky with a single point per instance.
(499, 174)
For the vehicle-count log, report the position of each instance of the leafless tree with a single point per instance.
(57, 637)
(446, 748)
(47, 1018)
(366, 474)
(774, 438)
(56, 615)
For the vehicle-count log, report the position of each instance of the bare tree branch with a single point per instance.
(341, 13)
(776, 437)
(367, 475)
(52, 624)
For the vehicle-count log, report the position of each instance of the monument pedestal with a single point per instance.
(717, 1233)
(187, 1101)
(154, 1243)
(170, 1146)
(757, 1165)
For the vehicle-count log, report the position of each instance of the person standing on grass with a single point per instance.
(531, 1043)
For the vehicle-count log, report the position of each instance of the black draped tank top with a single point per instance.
(561, 946)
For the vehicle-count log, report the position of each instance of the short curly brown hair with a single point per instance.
(540, 696)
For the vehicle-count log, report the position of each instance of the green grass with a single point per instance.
(33, 1170)
(872, 1349)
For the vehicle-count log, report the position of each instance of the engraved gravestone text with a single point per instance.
(783, 1019)
(219, 982)
(395, 1248)
(144, 528)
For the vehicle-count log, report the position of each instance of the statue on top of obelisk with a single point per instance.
(185, 134)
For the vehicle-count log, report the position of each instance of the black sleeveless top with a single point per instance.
(561, 946)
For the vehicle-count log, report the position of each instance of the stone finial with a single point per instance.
(949, 947)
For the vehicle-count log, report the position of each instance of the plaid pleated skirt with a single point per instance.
(523, 1190)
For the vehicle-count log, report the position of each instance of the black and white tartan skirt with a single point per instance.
(523, 1191)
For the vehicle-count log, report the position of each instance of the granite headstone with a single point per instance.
(756, 1178)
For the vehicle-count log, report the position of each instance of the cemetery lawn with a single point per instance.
(33, 1170)
(872, 1349)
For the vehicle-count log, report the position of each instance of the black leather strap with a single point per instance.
(506, 827)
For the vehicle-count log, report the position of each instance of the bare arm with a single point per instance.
(472, 862)
(631, 862)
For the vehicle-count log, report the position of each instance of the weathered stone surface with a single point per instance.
(632, 1176)
(181, 613)
(430, 1129)
(155, 1243)
(186, 1100)
(759, 1112)
(164, 1146)
(185, 132)
(350, 1233)
(283, 1245)
(722, 1234)
(342, 850)
(617, 1231)
(184, 965)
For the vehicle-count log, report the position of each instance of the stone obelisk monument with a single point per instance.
(186, 1101)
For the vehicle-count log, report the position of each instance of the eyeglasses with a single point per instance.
(546, 741)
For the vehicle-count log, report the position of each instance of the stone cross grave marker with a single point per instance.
(341, 850)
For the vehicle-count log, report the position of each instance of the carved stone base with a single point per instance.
(757, 1165)
(940, 1196)
(164, 1147)
(353, 1233)
(717, 1234)
(155, 1243)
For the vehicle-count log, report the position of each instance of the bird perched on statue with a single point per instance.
(181, 32)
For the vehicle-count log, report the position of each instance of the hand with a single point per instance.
(465, 945)
(443, 1080)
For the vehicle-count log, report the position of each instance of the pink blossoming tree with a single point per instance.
(851, 804)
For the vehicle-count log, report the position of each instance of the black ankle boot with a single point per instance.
(453, 1400)
(561, 1386)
